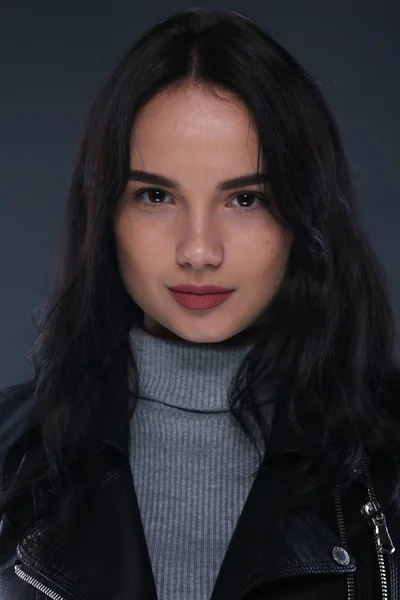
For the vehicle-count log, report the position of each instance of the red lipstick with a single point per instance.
(200, 297)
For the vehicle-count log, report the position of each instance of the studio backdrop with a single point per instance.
(54, 56)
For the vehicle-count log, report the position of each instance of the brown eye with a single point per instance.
(249, 201)
(154, 198)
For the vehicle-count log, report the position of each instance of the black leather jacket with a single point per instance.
(311, 554)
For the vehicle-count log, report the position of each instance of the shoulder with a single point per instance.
(16, 402)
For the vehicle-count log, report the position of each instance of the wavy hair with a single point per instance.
(327, 336)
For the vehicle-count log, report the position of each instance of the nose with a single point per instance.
(200, 244)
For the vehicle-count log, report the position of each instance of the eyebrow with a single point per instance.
(229, 184)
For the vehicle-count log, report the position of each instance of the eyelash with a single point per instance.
(137, 197)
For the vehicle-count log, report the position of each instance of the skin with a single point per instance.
(198, 234)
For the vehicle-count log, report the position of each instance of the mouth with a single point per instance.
(203, 301)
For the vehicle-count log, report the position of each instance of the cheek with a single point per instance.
(265, 251)
(137, 255)
(270, 259)
(126, 242)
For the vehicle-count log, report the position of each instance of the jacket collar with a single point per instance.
(267, 545)
(108, 556)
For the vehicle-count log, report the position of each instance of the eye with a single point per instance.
(156, 197)
(249, 197)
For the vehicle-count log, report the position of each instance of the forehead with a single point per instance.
(191, 124)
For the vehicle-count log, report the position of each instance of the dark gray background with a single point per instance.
(55, 55)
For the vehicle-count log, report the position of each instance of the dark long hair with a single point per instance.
(326, 338)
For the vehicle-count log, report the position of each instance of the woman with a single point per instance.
(183, 441)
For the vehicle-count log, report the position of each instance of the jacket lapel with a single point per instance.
(267, 545)
(108, 557)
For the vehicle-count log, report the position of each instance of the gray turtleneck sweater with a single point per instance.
(192, 465)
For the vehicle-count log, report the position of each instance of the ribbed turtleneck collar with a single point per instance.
(185, 374)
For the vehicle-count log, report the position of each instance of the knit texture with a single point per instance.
(192, 464)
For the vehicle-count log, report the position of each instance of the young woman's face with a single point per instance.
(195, 232)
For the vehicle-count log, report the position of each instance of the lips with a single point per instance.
(200, 301)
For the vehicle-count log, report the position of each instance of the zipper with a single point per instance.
(351, 594)
(37, 584)
(377, 521)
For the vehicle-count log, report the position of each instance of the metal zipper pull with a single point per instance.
(372, 512)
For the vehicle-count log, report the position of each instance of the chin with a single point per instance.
(232, 337)
(198, 333)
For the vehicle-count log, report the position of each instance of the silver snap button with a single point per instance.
(340, 555)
